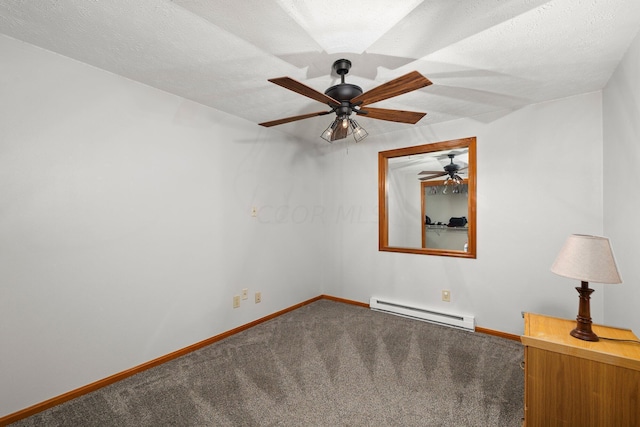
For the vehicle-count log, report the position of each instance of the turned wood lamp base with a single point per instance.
(583, 327)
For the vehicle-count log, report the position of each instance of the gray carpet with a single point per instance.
(325, 364)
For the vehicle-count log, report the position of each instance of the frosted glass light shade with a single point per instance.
(588, 259)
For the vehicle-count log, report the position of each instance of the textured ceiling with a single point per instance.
(483, 56)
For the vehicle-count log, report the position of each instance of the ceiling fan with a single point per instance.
(344, 99)
(451, 169)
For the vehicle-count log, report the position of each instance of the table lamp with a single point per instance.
(588, 259)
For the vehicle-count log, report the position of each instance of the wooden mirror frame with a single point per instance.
(383, 223)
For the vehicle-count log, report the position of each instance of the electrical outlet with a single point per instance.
(236, 301)
(258, 297)
(245, 293)
(446, 296)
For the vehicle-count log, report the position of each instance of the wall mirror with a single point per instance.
(427, 199)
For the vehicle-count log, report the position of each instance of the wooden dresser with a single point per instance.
(571, 382)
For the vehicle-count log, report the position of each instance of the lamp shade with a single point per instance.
(588, 259)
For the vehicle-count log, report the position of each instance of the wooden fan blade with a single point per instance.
(302, 89)
(426, 178)
(399, 116)
(431, 172)
(403, 84)
(293, 119)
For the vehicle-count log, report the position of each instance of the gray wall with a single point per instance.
(621, 100)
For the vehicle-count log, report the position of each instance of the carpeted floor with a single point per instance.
(325, 364)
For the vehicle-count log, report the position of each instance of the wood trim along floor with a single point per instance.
(346, 301)
(500, 334)
(39, 407)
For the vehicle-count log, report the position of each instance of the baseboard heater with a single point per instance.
(401, 309)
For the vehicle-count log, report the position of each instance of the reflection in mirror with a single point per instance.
(428, 200)
(441, 202)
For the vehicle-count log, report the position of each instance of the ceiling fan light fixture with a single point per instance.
(328, 132)
(455, 181)
(358, 131)
(341, 127)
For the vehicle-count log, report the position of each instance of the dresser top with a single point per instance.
(552, 333)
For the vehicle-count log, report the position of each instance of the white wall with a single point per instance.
(125, 224)
(539, 177)
(621, 110)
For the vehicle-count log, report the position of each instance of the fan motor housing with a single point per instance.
(343, 91)
(452, 167)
